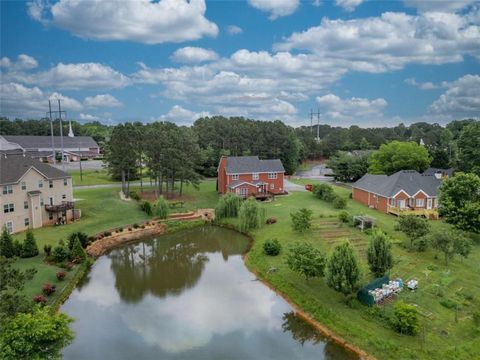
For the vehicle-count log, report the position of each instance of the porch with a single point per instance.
(60, 210)
(427, 213)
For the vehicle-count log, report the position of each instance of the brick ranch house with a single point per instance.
(402, 193)
(248, 175)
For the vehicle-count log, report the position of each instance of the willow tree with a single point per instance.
(251, 215)
(228, 206)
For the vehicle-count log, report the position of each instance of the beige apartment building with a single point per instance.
(33, 194)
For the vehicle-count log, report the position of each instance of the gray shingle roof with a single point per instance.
(36, 142)
(252, 164)
(409, 181)
(13, 167)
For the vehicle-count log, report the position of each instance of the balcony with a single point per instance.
(64, 206)
(427, 213)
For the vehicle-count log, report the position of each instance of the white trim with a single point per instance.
(244, 182)
(420, 191)
(399, 191)
(257, 172)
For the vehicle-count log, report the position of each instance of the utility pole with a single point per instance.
(50, 113)
(80, 164)
(61, 132)
(51, 130)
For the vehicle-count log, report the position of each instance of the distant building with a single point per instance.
(40, 147)
(32, 193)
(439, 173)
(401, 193)
(248, 175)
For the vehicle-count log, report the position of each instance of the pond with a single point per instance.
(186, 295)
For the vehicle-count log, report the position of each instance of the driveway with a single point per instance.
(317, 172)
(290, 186)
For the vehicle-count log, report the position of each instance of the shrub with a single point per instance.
(17, 248)
(107, 233)
(304, 259)
(61, 275)
(251, 216)
(84, 238)
(134, 195)
(129, 229)
(59, 253)
(40, 299)
(47, 249)
(161, 209)
(29, 247)
(323, 191)
(448, 303)
(339, 202)
(136, 226)
(6, 244)
(344, 216)
(405, 320)
(147, 208)
(271, 220)
(77, 253)
(228, 206)
(413, 226)
(272, 247)
(421, 244)
(301, 219)
(48, 289)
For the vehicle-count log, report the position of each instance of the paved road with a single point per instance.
(86, 165)
(290, 186)
(317, 172)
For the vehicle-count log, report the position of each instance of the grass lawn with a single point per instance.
(443, 335)
(95, 177)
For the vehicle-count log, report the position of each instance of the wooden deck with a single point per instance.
(427, 213)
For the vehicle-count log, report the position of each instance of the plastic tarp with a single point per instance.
(363, 294)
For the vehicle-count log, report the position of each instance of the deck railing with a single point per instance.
(64, 206)
(428, 213)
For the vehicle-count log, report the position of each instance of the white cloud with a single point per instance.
(234, 30)
(102, 101)
(24, 62)
(391, 41)
(144, 21)
(276, 8)
(192, 54)
(88, 117)
(461, 99)
(428, 85)
(182, 116)
(354, 109)
(17, 100)
(348, 5)
(438, 5)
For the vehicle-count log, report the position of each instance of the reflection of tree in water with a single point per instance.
(170, 264)
(303, 332)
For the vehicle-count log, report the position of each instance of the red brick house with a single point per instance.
(405, 192)
(248, 175)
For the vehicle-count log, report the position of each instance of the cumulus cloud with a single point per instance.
(143, 21)
(192, 54)
(88, 117)
(428, 85)
(334, 108)
(234, 30)
(182, 116)
(102, 101)
(276, 8)
(438, 5)
(348, 5)
(461, 99)
(23, 62)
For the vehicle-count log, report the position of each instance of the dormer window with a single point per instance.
(235, 176)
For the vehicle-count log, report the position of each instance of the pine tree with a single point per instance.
(6, 244)
(29, 248)
(77, 253)
(343, 272)
(379, 254)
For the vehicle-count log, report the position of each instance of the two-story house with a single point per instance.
(248, 175)
(32, 193)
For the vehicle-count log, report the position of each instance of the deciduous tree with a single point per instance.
(451, 243)
(306, 260)
(301, 220)
(414, 227)
(379, 253)
(343, 273)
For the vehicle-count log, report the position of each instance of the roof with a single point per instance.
(433, 171)
(36, 142)
(252, 164)
(409, 181)
(13, 167)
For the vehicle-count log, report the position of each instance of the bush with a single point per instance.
(60, 253)
(61, 275)
(48, 289)
(84, 238)
(136, 226)
(344, 216)
(420, 244)
(40, 299)
(107, 233)
(77, 254)
(47, 249)
(448, 303)
(17, 248)
(405, 320)
(301, 220)
(161, 209)
(147, 208)
(134, 195)
(228, 206)
(304, 259)
(272, 247)
(271, 220)
(339, 202)
(323, 191)
(29, 247)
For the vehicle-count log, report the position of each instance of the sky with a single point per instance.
(363, 62)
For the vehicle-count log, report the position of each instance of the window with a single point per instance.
(41, 202)
(50, 184)
(64, 196)
(7, 190)
(40, 183)
(51, 200)
(272, 175)
(24, 185)
(27, 221)
(10, 227)
(50, 216)
(255, 176)
(25, 204)
(65, 182)
(401, 204)
(8, 208)
(419, 202)
(235, 177)
(242, 191)
(272, 186)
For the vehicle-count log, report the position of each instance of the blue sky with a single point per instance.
(359, 62)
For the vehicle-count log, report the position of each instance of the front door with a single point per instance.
(429, 203)
(401, 204)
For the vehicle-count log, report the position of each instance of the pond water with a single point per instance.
(186, 295)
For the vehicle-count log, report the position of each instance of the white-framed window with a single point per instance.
(272, 186)
(419, 202)
(64, 196)
(8, 208)
(235, 176)
(24, 185)
(255, 176)
(272, 175)
(7, 189)
(10, 227)
(27, 222)
(42, 202)
(65, 182)
(244, 191)
(401, 204)
(50, 184)
(25, 204)
(40, 183)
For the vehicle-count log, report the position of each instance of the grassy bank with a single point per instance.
(444, 334)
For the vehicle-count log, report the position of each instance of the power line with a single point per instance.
(59, 112)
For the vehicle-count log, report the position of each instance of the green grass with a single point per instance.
(444, 338)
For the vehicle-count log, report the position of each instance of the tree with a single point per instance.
(77, 253)
(459, 201)
(228, 206)
(379, 253)
(347, 166)
(29, 247)
(469, 148)
(451, 243)
(405, 319)
(323, 191)
(272, 247)
(37, 335)
(343, 273)
(6, 244)
(304, 259)
(83, 237)
(250, 215)
(161, 208)
(398, 155)
(301, 220)
(414, 227)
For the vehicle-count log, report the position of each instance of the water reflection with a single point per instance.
(185, 296)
